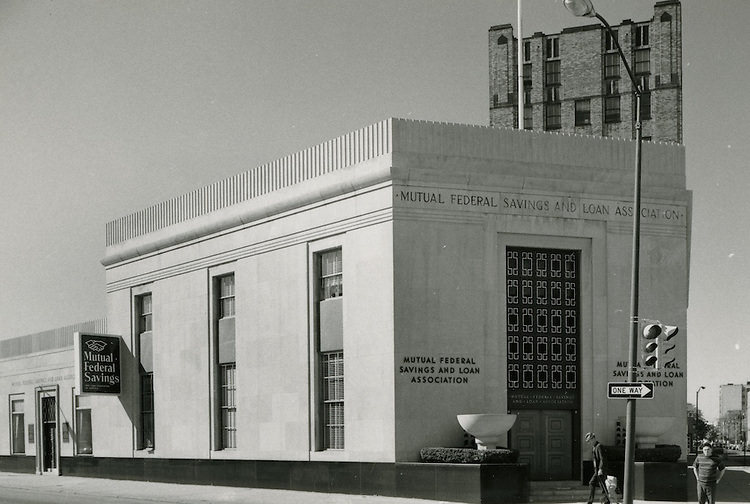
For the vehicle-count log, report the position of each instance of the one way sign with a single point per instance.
(630, 390)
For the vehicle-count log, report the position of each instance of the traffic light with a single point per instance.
(654, 334)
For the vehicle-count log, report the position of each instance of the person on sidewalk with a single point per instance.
(708, 469)
(599, 478)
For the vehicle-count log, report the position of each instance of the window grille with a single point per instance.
(542, 326)
(333, 399)
(145, 348)
(147, 410)
(228, 406)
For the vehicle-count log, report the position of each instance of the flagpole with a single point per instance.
(520, 69)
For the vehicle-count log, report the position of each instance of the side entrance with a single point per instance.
(48, 447)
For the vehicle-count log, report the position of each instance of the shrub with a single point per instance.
(468, 456)
(661, 453)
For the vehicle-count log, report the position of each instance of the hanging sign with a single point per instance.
(97, 363)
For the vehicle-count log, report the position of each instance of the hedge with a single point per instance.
(661, 453)
(468, 456)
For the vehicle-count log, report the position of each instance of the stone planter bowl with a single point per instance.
(488, 429)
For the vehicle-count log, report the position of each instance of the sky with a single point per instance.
(107, 107)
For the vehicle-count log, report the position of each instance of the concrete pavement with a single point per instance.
(733, 489)
(168, 493)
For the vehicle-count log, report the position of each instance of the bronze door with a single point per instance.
(544, 439)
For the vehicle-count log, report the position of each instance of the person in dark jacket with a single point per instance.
(599, 478)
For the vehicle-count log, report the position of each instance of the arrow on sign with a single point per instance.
(630, 390)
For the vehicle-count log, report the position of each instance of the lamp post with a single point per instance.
(584, 8)
(696, 414)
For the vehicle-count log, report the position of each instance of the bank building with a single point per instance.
(314, 322)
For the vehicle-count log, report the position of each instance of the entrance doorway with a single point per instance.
(543, 341)
(47, 449)
(544, 439)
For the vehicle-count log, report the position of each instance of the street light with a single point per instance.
(696, 413)
(586, 8)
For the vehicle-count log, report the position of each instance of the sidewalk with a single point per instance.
(159, 493)
(733, 489)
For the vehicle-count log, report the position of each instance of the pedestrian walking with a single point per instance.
(708, 469)
(599, 478)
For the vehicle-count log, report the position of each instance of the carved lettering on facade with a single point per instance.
(537, 205)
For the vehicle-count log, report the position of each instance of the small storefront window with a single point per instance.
(17, 425)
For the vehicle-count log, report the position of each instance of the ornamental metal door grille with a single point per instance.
(49, 433)
(543, 327)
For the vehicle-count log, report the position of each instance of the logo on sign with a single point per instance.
(96, 345)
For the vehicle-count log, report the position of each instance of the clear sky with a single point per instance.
(110, 106)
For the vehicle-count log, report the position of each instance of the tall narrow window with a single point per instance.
(611, 79)
(641, 36)
(583, 112)
(225, 329)
(84, 441)
(331, 278)
(610, 43)
(553, 108)
(552, 73)
(333, 399)
(228, 406)
(611, 65)
(552, 82)
(331, 346)
(18, 444)
(146, 359)
(226, 296)
(642, 61)
(612, 102)
(528, 110)
(553, 47)
(645, 96)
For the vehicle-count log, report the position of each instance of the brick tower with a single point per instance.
(574, 81)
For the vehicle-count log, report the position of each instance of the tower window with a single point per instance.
(641, 36)
(583, 112)
(553, 48)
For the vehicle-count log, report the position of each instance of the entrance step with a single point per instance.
(559, 491)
